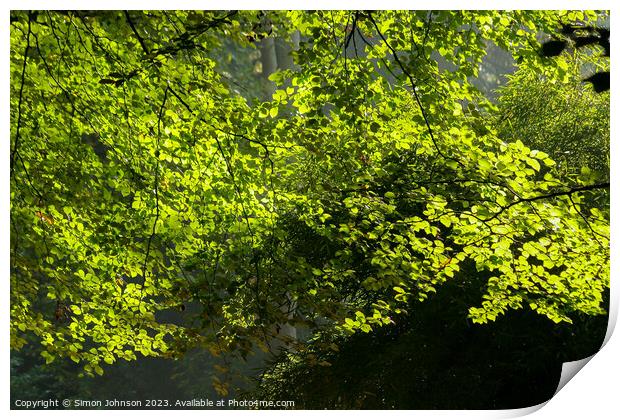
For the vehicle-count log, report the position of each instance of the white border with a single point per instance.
(593, 394)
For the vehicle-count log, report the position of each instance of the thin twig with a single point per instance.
(154, 228)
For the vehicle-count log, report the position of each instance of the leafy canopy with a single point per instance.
(143, 184)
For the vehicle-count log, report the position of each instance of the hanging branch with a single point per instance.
(15, 151)
(413, 89)
(148, 245)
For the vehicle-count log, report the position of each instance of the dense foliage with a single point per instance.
(568, 120)
(155, 208)
(432, 359)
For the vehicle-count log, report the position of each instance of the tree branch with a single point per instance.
(135, 31)
(14, 152)
(413, 89)
(603, 185)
